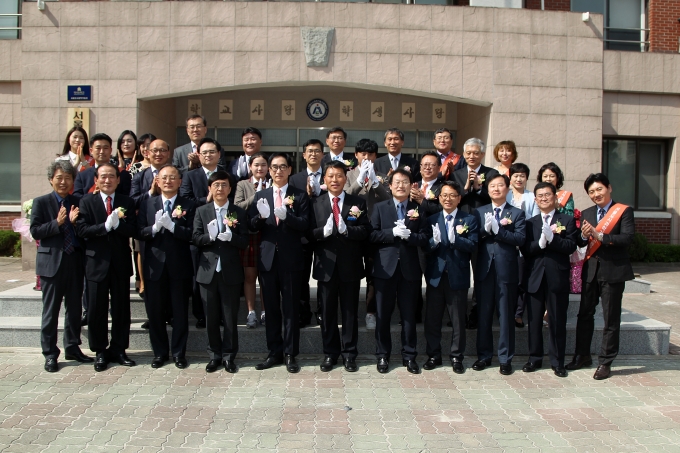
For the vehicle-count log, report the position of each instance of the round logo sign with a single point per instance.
(317, 110)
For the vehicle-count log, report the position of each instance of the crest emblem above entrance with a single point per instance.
(317, 110)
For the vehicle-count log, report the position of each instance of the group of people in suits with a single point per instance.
(210, 229)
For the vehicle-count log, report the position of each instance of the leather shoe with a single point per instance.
(319, 318)
(158, 362)
(506, 369)
(530, 367)
(212, 366)
(268, 363)
(124, 360)
(578, 362)
(411, 366)
(432, 363)
(383, 365)
(229, 366)
(602, 372)
(291, 364)
(458, 367)
(180, 362)
(100, 362)
(200, 324)
(480, 364)
(83, 319)
(51, 365)
(78, 356)
(145, 325)
(560, 371)
(350, 365)
(327, 364)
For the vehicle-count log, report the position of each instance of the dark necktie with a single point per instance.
(336, 210)
(449, 223)
(109, 207)
(67, 229)
(498, 214)
(400, 211)
(600, 214)
(167, 207)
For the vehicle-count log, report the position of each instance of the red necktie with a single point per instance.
(336, 210)
(109, 208)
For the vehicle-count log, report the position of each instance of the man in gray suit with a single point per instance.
(186, 156)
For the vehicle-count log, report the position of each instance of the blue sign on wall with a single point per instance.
(79, 93)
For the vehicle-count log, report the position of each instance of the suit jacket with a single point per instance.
(284, 237)
(299, 180)
(501, 248)
(166, 249)
(345, 156)
(232, 168)
(391, 250)
(105, 249)
(612, 256)
(368, 193)
(342, 251)
(44, 228)
(384, 165)
(453, 258)
(228, 252)
(141, 184)
(553, 260)
(431, 206)
(180, 157)
(195, 186)
(472, 200)
(85, 180)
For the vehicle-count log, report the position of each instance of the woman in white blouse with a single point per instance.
(77, 149)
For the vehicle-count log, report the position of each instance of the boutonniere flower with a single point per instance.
(288, 201)
(430, 195)
(177, 213)
(557, 228)
(461, 229)
(482, 178)
(230, 220)
(413, 214)
(348, 162)
(407, 168)
(120, 212)
(323, 187)
(506, 220)
(354, 213)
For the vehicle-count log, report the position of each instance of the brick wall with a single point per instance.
(664, 27)
(550, 5)
(657, 231)
(6, 219)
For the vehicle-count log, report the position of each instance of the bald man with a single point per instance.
(142, 183)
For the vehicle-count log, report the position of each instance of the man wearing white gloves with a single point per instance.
(220, 232)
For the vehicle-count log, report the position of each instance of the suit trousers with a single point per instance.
(168, 294)
(280, 292)
(557, 305)
(387, 292)
(370, 288)
(118, 285)
(521, 295)
(455, 302)
(305, 307)
(221, 301)
(196, 298)
(611, 294)
(348, 293)
(501, 297)
(67, 284)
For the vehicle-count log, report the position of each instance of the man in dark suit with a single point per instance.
(550, 241)
(145, 184)
(502, 231)
(59, 263)
(339, 227)
(454, 237)
(397, 230)
(394, 141)
(186, 156)
(336, 138)
(281, 214)
(607, 229)
(239, 168)
(100, 148)
(106, 222)
(165, 223)
(220, 232)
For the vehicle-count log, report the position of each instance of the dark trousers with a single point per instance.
(221, 302)
(387, 291)
(280, 292)
(348, 293)
(305, 306)
(196, 304)
(67, 284)
(118, 285)
(611, 294)
(496, 296)
(370, 289)
(521, 295)
(557, 305)
(455, 302)
(164, 294)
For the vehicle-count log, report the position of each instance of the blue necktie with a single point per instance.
(67, 228)
(600, 214)
(167, 207)
(498, 214)
(400, 211)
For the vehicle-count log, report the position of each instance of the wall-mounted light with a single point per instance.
(585, 17)
(41, 5)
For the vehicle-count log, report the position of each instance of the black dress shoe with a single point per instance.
(318, 317)
(200, 324)
(212, 366)
(383, 365)
(180, 362)
(123, 359)
(530, 367)
(560, 371)
(268, 363)
(479, 365)
(602, 372)
(145, 325)
(100, 361)
(458, 367)
(51, 365)
(229, 366)
(158, 362)
(78, 356)
(327, 364)
(506, 369)
(350, 365)
(519, 324)
(411, 366)
(579, 361)
(432, 363)
(291, 364)
(83, 319)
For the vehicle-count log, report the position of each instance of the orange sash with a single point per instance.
(445, 169)
(563, 197)
(606, 225)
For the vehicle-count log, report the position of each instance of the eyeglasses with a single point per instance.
(168, 178)
(220, 185)
(276, 168)
(336, 138)
(544, 196)
(442, 139)
(211, 152)
(429, 166)
(400, 183)
(158, 151)
(313, 151)
(448, 196)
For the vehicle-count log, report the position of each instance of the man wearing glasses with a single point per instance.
(336, 138)
(186, 156)
(443, 144)
(145, 183)
(394, 141)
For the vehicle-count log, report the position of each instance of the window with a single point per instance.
(10, 19)
(637, 170)
(10, 167)
(624, 22)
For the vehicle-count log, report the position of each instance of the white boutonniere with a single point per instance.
(407, 168)
(120, 212)
(354, 213)
(288, 201)
(413, 214)
(348, 162)
(482, 178)
(430, 195)
(230, 220)
(506, 220)
(462, 229)
(177, 213)
(557, 228)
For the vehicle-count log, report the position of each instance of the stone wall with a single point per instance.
(657, 231)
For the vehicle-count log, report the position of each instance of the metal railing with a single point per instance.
(634, 39)
(16, 29)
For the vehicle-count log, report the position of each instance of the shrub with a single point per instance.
(639, 248)
(8, 241)
(662, 253)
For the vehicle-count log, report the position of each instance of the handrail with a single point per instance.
(11, 15)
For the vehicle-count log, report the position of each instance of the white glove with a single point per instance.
(226, 235)
(542, 242)
(487, 222)
(328, 227)
(212, 229)
(112, 221)
(281, 212)
(315, 187)
(548, 233)
(372, 178)
(260, 185)
(167, 223)
(436, 234)
(400, 230)
(342, 227)
(157, 224)
(494, 225)
(363, 172)
(263, 208)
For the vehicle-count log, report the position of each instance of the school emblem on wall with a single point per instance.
(317, 110)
